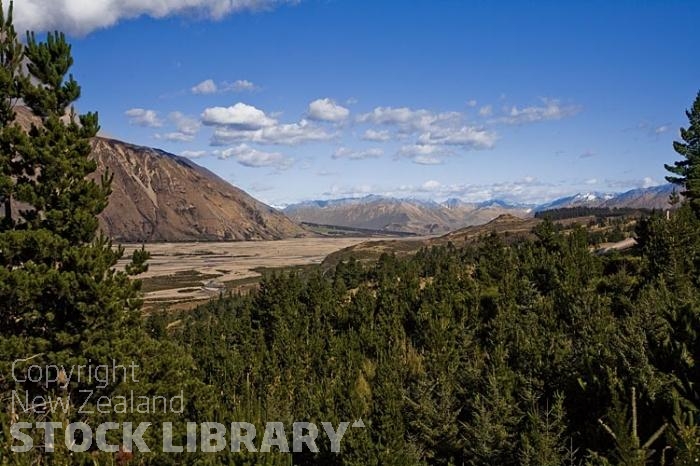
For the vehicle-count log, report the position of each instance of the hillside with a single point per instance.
(157, 196)
(504, 225)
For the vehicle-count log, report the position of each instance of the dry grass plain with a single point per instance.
(182, 275)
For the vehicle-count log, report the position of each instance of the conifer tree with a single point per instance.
(62, 300)
(11, 54)
(687, 171)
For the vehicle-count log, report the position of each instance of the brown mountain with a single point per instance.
(403, 215)
(157, 196)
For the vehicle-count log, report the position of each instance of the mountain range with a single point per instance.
(401, 215)
(430, 218)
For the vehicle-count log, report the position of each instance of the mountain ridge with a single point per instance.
(431, 217)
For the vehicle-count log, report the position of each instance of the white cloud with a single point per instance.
(327, 110)
(431, 185)
(83, 16)
(251, 157)
(591, 181)
(175, 136)
(435, 132)
(241, 85)
(184, 124)
(143, 117)
(468, 137)
(472, 103)
(648, 182)
(240, 116)
(209, 86)
(661, 129)
(186, 128)
(424, 154)
(282, 134)
(486, 110)
(351, 191)
(525, 190)
(552, 109)
(205, 87)
(376, 136)
(406, 119)
(345, 153)
(193, 154)
(651, 129)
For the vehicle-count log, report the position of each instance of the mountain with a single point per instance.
(590, 199)
(655, 197)
(404, 215)
(157, 196)
(430, 218)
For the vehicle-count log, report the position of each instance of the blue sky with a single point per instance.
(295, 100)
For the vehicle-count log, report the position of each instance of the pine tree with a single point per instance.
(687, 171)
(11, 54)
(56, 268)
(63, 302)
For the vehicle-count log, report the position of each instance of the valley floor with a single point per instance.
(183, 274)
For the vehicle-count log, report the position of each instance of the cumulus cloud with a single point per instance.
(327, 110)
(527, 190)
(424, 154)
(144, 117)
(205, 87)
(254, 158)
(186, 128)
(468, 137)
(486, 111)
(175, 136)
(376, 136)
(209, 86)
(280, 134)
(83, 16)
(406, 119)
(345, 153)
(193, 154)
(551, 109)
(240, 116)
(184, 124)
(431, 185)
(242, 123)
(241, 85)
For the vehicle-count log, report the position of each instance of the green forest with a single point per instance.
(526, 352)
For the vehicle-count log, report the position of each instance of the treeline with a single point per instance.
(566, 213)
